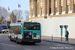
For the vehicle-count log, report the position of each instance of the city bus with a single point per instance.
(25, 32)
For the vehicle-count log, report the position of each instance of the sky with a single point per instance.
(13, 4)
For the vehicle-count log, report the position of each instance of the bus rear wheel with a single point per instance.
(17, 41)
(33, 43)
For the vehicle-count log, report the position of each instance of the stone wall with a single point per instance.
(51, 27)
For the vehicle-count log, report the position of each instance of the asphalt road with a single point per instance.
(6, 44)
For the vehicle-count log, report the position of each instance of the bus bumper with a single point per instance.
(30, 40)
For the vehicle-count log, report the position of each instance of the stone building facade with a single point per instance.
(12, 18)
(44, 9)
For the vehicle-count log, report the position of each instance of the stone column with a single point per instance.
(71, 6)
(58, 7)
(47, 7)
(38, 8)
(44, 8)
(64, 11)
(34, 8)
(30, 9)
(52, 7)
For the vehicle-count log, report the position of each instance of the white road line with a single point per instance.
(27, 49)
(8, 45)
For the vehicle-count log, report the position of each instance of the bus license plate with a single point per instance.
(31, 41)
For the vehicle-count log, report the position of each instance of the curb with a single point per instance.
(58, 42)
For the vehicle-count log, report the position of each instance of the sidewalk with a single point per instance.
(58, 40)
(3, 34)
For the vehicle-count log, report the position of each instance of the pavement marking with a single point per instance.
(27, 49)
(8, 45)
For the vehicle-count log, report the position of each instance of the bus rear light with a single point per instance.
(35, 22)
(40, 36)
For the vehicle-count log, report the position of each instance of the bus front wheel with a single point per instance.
(17, 41)
(10, 39)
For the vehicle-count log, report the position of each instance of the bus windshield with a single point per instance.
(31, 26)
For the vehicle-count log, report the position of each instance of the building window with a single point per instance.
(68, 8)
(41, 11)
(49, 10)
(32, 12)
(61, 9)
(55, 9)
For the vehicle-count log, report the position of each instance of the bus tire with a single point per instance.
(17, 41)
(10, 39)
(33, 43)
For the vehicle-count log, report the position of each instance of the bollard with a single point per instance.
(52, 37)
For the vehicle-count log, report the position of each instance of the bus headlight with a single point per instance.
(20, 36)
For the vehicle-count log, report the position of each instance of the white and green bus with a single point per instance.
(25, 32)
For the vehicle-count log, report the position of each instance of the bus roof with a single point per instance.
(19, 23)
(16, 24)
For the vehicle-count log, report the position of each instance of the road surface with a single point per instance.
(6, 44)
